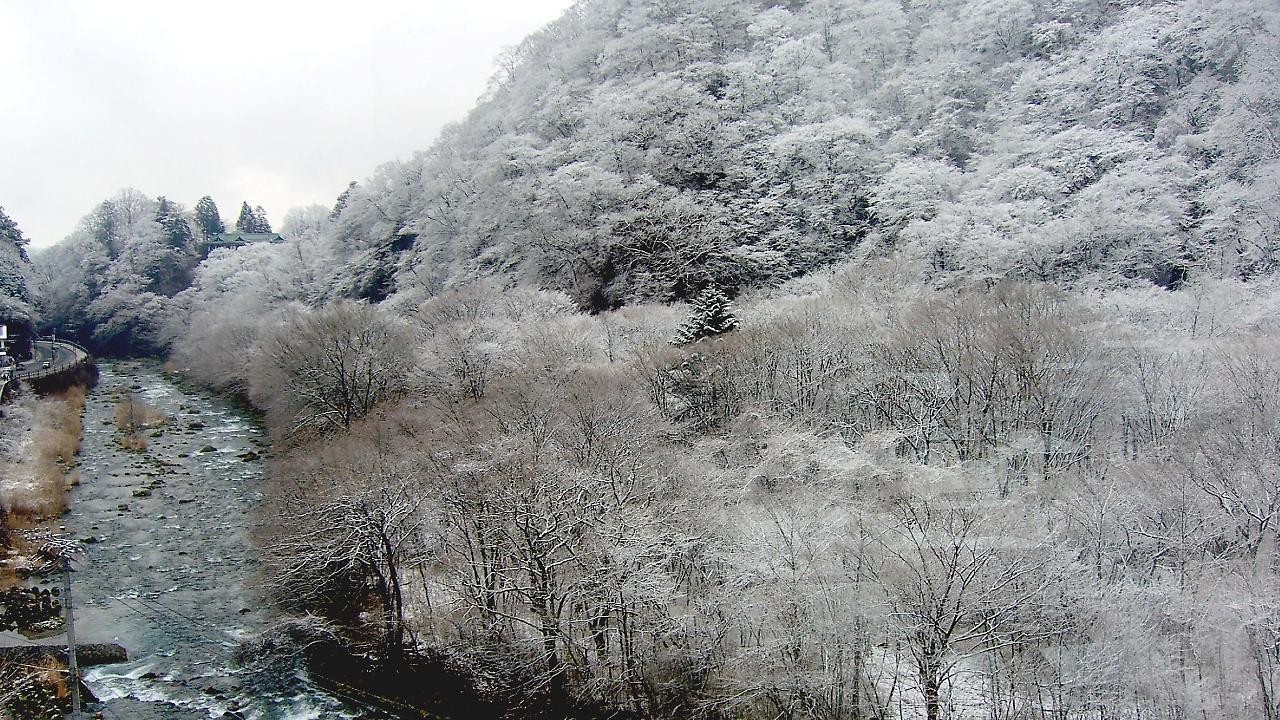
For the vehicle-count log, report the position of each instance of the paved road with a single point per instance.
(60, 356)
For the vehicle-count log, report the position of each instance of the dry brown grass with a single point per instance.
(132, 414)
(133, 417)
(133, 442)
(59, 430)
(16, 679)
(47, 464)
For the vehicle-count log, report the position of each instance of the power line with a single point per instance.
(188, 618)
(339, 694)
(158, 618)
(335, 681)
(25, 641)
(202, 633)
(147, 609)
(348, 688)
(41, 668)
(155, 617)
(206, 631)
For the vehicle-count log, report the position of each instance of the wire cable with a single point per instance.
(349, 688)
(156, 612)
(105, 708)
(167, 625)
(165, 618)
(188, 618)
(205, 631)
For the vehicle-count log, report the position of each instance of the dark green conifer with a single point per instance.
(710, 314)
(252, 220)
(176, 229)
(341, 204)
(260, 222)
(246, 221)
(208, 219)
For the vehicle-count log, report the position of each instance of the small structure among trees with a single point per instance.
(239, 239)
(711, 314)
(15, 295)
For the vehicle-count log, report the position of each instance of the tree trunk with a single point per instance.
(930, 687)
(395, 638)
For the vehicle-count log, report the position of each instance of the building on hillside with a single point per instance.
(16, 337)
(7, 363)
(239, 239)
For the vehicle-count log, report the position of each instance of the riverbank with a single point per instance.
(38, 454)
(172, 482)
(38, 467)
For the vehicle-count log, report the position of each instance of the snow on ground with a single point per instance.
(18, 422)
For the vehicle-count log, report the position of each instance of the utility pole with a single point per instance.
(54, 547)
(73, 665)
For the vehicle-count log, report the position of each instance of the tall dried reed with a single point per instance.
(133, 417)
(59, 430)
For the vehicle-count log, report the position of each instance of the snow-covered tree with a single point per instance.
(252, 220)
(14, 264)
(710, 314)
(207, 217)
(15, 285)
(321, 371)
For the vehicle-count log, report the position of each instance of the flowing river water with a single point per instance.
(171, 573)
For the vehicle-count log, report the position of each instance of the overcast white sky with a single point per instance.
(277, 102)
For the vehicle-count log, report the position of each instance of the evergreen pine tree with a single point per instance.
(208, 219)
(260, 222)
(176, 229)
(341, 204)
(246, 222)
(710, 314)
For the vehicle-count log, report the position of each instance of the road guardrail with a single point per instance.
(83, 357)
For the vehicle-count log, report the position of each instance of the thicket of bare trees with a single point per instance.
(320, 371)
(872, 500)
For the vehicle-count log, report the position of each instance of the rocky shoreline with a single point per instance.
(40, 467)
(87, 655)
(172, 481)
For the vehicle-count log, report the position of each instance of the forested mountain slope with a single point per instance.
(986, 466)
(108, 282)
(641, 150)
(15, 273)
(115, 282)
(636, 151)
(988, 424)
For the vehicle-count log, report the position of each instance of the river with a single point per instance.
(170, 574)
